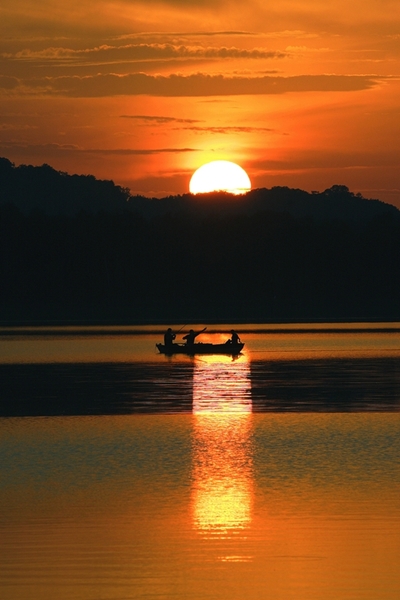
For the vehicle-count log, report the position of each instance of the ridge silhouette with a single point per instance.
(58, 193)
(77, 249)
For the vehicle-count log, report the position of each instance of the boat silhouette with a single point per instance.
(200, 348)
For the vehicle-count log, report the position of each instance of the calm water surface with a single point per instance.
(129, 475)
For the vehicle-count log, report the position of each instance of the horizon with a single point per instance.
(234, 196)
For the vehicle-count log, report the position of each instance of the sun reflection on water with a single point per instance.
(222, 464)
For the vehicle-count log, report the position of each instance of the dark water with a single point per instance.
(162, 385)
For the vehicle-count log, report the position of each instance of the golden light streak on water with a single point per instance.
(222, 464)
(221, 384)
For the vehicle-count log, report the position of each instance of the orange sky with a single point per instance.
(304, 94)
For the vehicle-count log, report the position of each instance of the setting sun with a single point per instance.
(220, 176)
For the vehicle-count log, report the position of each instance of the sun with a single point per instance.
(220, 176)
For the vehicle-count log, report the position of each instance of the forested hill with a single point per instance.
(270, 256)
(54, 192)
(57, 193)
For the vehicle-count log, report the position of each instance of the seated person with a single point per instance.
(169, 337)
(191, 336)
(234, 339)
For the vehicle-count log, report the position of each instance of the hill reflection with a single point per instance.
(201, 385)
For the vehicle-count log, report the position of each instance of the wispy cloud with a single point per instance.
(226, 130)
(186, 34)
(190, 124)
(151, 119)
(8, 83)
(69, 149)
(140, 52)
(330, 159)
(199, 84)
(16, 127)
(138, 151)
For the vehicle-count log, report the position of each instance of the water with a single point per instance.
(136, 476)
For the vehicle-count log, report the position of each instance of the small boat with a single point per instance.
(199, 348)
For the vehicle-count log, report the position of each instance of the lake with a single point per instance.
(126, 474)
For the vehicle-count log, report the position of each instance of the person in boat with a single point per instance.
(191, 336)
(169, 337)
(234, 340)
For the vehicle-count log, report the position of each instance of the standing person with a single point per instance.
(169, 337)
(191, 336)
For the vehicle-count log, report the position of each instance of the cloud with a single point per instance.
(291, 33)
(139, 151)
(164, 34)
(15, 127)
(302, 49)
(136, 52)
(8, 83)
(198, 84)
(226, 130)
(190, 125)
(71, 149)
(316, 159)
(158, 119)
(185, 4)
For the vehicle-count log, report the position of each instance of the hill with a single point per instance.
(57, 193)
(272, 256)
(54, 192)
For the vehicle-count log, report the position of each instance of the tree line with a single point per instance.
(214, 263)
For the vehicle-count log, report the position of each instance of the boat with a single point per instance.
(199, 348)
